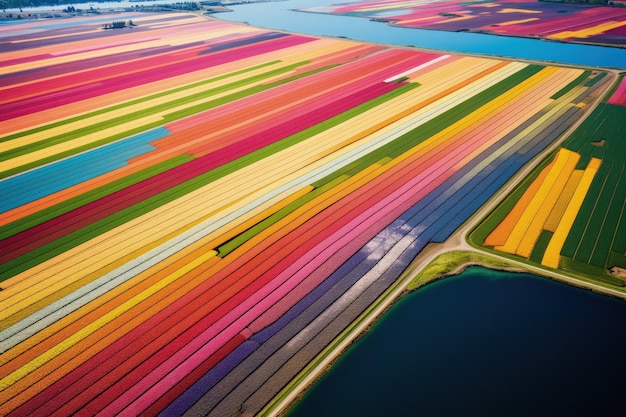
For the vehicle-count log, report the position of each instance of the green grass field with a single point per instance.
(596, 242)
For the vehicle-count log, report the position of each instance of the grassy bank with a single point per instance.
(453, 263)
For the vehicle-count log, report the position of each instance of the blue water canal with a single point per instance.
(283, 15)
(483, 343)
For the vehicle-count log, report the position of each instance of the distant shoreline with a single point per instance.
(391, 22)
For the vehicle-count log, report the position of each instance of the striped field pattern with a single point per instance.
(192, 210)
(571, 215)
(563, 21)
(551, 203)
(619, 96)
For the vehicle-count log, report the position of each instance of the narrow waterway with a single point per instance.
(283, 15)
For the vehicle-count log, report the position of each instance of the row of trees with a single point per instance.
(119, 24)
(599, 2)
(18, 4)
(187, 5)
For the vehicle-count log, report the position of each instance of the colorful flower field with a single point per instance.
(570, 215)
(193, 210)
(619, 95)
(530, 18)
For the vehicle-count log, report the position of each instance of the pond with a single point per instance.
(483, 343)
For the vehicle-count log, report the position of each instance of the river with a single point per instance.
(282, 15)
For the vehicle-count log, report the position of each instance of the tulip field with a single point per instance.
(193, 210)
(561, 21)
(570, 214)
(619, 95)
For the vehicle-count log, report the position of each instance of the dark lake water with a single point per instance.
(281, 15)
(484, 343)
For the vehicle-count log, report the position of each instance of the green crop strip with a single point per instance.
(239, 240)
(595, 79)
(616, 85)
(67, 242)
(599, 234)
(540, 247)
(432, 127)
(90, 196)
(617, 259)
(571, 85)
(619, 245)
(607, 233)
